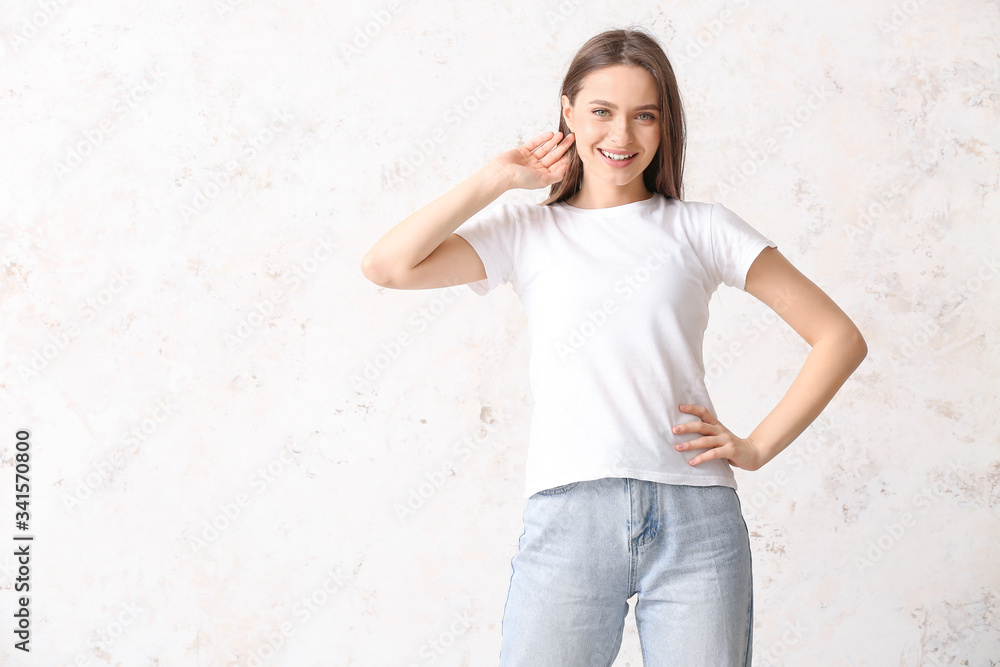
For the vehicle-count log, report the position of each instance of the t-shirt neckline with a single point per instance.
(621, 209)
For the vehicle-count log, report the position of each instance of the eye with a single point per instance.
(650, 116)
(599, 115)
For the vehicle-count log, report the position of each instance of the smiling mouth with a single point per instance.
(621, 157)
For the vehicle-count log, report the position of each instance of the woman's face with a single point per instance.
(615, 113)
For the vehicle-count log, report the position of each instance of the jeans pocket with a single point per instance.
(557, 490)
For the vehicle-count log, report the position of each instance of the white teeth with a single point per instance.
(616, 157)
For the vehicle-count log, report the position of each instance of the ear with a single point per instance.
(567, 112)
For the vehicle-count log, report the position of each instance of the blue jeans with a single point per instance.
(589, 546)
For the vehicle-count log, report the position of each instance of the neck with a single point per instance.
(607, 195)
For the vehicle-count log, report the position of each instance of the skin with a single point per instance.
(629, 122)
(837, 346)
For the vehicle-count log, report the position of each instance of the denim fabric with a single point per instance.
(589, 546)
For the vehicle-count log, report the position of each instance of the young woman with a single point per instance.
(629, 481)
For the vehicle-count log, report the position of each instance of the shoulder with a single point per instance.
(692, 208)
(679, 209)
(535, 210)
(709, 215)
(690, 218)
(527, 214)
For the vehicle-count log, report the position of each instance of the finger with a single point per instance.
(688, 427)
(563, 146)
(558, 171)
(698, 459)
(547, 148)
(698, 443)
(567, 141)
(707, 456)
(701, 411)
(558, 152)
(535, 142)
(540, 140)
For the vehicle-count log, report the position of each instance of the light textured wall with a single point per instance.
(226, 416)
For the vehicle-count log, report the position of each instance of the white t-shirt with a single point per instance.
(616, 302)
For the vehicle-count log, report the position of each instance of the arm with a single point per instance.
(838, 348)
(410, 242)
(423, 252)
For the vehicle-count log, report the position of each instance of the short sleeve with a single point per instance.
(735, 245)
(493, 234)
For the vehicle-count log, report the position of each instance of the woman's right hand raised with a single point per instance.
(537, 163)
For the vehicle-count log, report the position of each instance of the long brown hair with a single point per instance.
(629, 46)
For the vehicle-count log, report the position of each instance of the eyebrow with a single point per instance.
(605, 103)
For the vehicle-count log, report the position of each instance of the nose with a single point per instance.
(621, 131)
